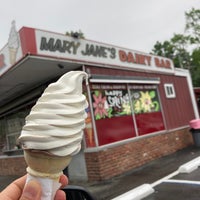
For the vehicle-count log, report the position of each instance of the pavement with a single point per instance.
(147, 174)
(141, 178)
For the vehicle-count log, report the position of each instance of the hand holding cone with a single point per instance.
(53, 131)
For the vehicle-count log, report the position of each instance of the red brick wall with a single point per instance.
(123, 158)
(12, 166)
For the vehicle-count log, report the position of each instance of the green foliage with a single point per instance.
(193, 25)
(164, 49)
(76, 34)
(175, 49)
(184, 49)
(195, 70)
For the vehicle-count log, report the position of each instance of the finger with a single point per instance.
(60, 195)
(14, 190)
(32, 191)
(63, 180)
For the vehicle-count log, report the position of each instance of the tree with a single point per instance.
(192, 26)
(175, 49)
(195, 70)
(165, 49)
(184, 49)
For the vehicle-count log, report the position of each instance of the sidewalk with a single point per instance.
(148, 173)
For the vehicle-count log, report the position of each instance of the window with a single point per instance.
(10, 129)
(147, 109)
(145, 99)
(110, 101)
(14, 126)
(112, 112)
(124, 111)
(169, 91)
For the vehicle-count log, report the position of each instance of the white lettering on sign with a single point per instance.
(116, 98)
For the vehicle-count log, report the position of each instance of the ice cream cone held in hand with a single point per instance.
(53, 130)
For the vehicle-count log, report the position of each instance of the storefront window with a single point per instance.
(112, 112)
(145, 99)
(110, 103)
(11, 127)
(14, 126)
(146, 108)
(123, 111)
(2, 135)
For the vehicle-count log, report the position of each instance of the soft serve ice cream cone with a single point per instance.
(53, 130)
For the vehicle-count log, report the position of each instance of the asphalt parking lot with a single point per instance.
(184, 183)
(182, 186)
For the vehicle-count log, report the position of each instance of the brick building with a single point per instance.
(139, 104)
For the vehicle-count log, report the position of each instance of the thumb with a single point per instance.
(32, 191)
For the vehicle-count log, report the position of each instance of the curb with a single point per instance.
(190, 166)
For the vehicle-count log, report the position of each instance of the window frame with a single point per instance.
(170, 90)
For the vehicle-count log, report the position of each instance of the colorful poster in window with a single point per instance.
(145, 99)
(110, 102)
(147, 109)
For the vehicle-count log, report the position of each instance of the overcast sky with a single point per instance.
(133, 24)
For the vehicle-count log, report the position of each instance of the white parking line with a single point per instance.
(185, 168)
(182, 182)
(165, 178)
(146, 189)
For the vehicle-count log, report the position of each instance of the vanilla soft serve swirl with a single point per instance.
(56, 122)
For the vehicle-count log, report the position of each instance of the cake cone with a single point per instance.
(43, 164)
